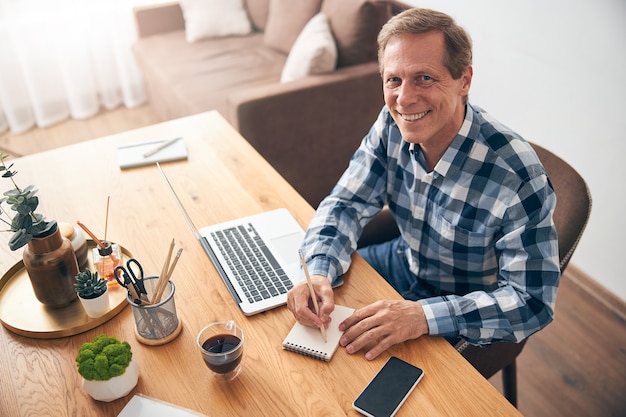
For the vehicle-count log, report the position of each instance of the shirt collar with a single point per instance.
(458, 150)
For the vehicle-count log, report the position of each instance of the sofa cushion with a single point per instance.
(314, 51)
(258, 10)
(204, 74)
(285, 21)
(355, 25)
(214, 18)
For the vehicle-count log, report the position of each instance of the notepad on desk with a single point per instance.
(308, 341)
(149, 153)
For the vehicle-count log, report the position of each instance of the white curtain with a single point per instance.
(66, 58)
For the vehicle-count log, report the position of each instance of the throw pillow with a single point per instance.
(285, 21)
(355, 25)
(258, 11)
(313, 52)
(214, 18)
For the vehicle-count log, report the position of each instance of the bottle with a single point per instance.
(106, 259)
(76, 237)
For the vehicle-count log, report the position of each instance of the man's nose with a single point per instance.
(407, 94)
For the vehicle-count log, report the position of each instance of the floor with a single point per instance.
(574, 367)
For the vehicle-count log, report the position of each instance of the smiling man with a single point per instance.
(477, 257)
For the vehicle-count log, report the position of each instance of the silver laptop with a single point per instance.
(256, 256)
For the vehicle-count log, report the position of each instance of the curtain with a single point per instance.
(66, 58)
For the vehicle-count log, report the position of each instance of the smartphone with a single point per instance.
(386, 392)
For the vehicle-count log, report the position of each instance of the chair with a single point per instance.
(570, 217)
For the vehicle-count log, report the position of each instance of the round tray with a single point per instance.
(22, 313)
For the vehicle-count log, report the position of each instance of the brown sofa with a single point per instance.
(307, 128)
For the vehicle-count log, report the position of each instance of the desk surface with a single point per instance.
(224, 178)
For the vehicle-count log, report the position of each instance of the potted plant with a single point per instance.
(107, 367)
(48, 257)
(92, 293)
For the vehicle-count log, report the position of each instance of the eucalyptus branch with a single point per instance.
(26, 223)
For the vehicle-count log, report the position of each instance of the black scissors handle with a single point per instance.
(129, 277)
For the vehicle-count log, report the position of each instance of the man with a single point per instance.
(477, 257)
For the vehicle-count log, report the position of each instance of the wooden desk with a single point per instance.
(224, 178)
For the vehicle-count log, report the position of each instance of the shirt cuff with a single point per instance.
(439, 317)
(321, 265)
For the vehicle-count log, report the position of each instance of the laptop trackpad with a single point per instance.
(287, 246)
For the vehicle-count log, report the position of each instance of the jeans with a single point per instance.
(389, 260)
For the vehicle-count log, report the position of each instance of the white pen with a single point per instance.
(159, 147)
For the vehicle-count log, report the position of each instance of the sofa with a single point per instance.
(303, 101)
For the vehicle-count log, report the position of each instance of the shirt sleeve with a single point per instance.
(332, 235)
(528, 277)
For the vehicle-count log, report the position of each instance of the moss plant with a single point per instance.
(103, 358)
(89, 285)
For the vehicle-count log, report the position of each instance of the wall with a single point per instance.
(556, 72)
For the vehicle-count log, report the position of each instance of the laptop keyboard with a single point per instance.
(255, 268)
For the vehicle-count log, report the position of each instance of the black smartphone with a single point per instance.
(386, 392)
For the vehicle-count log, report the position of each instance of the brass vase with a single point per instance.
(51, 265)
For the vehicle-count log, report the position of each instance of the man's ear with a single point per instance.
(466, 79)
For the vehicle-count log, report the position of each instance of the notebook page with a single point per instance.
(308, 341)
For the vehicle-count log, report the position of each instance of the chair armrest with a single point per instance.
(161, 18)
(308, 129)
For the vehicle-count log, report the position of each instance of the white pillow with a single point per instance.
(214, 18)
(314, 51)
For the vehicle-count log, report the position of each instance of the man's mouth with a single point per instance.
(413, 117)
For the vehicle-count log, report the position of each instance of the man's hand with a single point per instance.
(300, 303)
(384, 324)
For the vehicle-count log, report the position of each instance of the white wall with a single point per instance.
(555, 71)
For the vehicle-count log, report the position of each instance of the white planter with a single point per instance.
(114, 388)
(96, 307)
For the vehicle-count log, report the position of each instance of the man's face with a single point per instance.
(426, 103)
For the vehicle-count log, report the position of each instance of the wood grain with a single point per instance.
(224, 178)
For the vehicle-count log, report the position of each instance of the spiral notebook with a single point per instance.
(308, 341)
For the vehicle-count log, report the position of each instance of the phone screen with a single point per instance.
(386, 392)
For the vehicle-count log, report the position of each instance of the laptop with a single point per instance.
(252, 253)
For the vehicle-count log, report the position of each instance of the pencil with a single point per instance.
(159, 147)
(313, 296)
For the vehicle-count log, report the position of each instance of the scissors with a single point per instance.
(132, 280)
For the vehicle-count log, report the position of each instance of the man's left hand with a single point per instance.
(384, 323)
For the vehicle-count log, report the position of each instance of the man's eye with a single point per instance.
(425, 80)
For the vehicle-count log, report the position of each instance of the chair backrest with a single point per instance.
(573, 202)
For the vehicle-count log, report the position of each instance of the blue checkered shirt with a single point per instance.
(478, 229)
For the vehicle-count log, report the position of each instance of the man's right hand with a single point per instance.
(300, 303)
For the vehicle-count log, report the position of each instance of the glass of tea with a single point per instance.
(221, 346)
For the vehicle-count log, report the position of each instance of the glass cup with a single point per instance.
(221, 346)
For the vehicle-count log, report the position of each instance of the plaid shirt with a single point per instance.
(478, 229)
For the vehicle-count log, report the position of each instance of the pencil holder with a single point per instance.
(156, 324)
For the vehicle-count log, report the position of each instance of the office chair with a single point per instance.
(571, 214)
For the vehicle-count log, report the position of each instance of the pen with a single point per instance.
(313, 296)
(159, 147)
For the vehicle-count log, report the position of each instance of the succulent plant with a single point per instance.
(88, 285)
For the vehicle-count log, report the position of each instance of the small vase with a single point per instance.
(96, 307)
(114, 388)
(51, 265)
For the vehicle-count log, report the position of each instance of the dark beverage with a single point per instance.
(229, 349)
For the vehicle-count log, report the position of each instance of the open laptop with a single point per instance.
(249, 251)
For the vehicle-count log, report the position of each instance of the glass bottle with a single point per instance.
(106, 259)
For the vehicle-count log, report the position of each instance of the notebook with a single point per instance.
(279, 236)
(148, 153)
(143, 406)
(308, 341)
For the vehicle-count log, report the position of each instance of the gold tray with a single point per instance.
(22, 313)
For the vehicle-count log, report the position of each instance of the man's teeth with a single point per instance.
(413, 117)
